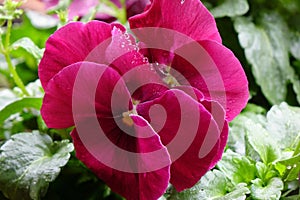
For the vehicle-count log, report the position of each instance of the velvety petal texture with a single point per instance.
(215, 71)
(58, 102)
(219, 116)
(190, 18)
(59, 95)
(95, 42)
(144, 186)
(183, 115)
(135, 7)
(212, 64)
(146, 113)
(70, 44)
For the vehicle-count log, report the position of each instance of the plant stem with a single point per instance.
(121, 13)
(11, 67)
(8, 32)
(15, 75)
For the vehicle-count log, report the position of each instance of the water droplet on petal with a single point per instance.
(151, 67)
(145, 60)
(163, 69)
(182, 2)
(136, 48)
(129, 42)
(126, 35)
(231, 101)
(123, 44)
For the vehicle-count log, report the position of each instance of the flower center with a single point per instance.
(165, 72)
(127, 119)
(126, 115)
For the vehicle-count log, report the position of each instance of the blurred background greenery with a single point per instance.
(263, 34)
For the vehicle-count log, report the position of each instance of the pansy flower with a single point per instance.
(146, 113)
(81, 8)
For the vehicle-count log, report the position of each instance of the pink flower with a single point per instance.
(83, 7)
(166, 110)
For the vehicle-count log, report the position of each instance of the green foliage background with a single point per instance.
(262, 158)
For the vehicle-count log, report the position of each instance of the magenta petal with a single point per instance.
(184, 126)
(70, 44)
(144, 83)
(136, 7)
(133, 186)
(57, 103)
(94, 86)
(192, 92)
(216, 72)
(95, 42)
(218, 114)
(122, 53)
(222, 144)
(190, 18)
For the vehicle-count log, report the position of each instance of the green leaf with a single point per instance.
(238, 168)
(291, 186)
(238, 130)
(280, 168)
(296, 146)
(28, 45)
(271, 191)
(231, 8)
(278, 33)
(7, 96)
(29, 162)
(253, 108)
(295, 80)
(261, 141)
(296, 86)
(77, 182)
(270, 137)
(34, 89)
(18, 106)
(236, 136)
(295, 45)
(266, 49)
(294, 197)
(284, 124)
(290, 166)
(290, 5)
(238, 193)
(264, 172)
(293, 172)
(215, 186)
